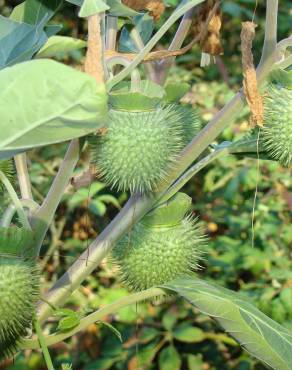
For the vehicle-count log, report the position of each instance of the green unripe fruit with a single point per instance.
(277, 130)
(139, 148)
(19, 282)
(163, 246)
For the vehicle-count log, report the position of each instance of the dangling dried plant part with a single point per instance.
(155, 7)
(250, 86)
(211, 42)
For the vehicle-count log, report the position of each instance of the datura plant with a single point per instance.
(142, 140)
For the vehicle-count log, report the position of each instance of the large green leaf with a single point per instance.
(34, 11)
(19, 41)
(258, 334)
(44, 102)
(58, 44)
(91, 7)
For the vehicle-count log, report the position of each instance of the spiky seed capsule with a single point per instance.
(139, 148)
(165, 244)
(277, 132)
(19, 286)
(18, 294)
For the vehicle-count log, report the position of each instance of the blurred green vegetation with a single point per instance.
(168, 334)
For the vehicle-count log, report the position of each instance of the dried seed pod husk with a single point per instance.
(165, 245)
(19, 287)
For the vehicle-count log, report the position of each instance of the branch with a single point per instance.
(112, 30)
(22, 175)
(43, 217)
(95, 317)
(270, 41)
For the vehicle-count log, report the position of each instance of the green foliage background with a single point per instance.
(168, 334)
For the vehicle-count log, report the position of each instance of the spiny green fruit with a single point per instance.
(190, 122)
(166, 244)
(6, 166)
(139, 148)
(277, 130)
(19, 285)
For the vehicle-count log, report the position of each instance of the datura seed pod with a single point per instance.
(165, 245)
(277, 131)
(19, 285)
(143, 140)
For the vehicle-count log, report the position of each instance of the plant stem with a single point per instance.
(177, 42)
(43, 345)
(21, 214)
(95, 316)
(270, 41)
(111, 34)
(10, 211)
(140, 45)
(180, 182)
(43, 217)
(148, 47)
(23, 177)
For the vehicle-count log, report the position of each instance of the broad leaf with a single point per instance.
(118, 9)
(144, 25)
(91, 7)
(169, 359)
(57, 44)
(258, 334)
(34, 11)
(44, 102)
(19, 41)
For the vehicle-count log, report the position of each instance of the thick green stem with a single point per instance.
(20, 211)
(94, 317)
(10, 211)
(43, 217)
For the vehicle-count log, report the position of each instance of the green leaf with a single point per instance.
(34, 11)
(195, 362)
(69, 322)
(112, 329)
(109, 199)
(97, 207)
(63, 312)
(188, 334)
(91, 7)
(118, 9)
(58, 44)
(49, 103)
(169, 359)
(175, 91)
(258, 334)
(19, 41)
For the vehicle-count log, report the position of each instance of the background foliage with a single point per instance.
(153, 335)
